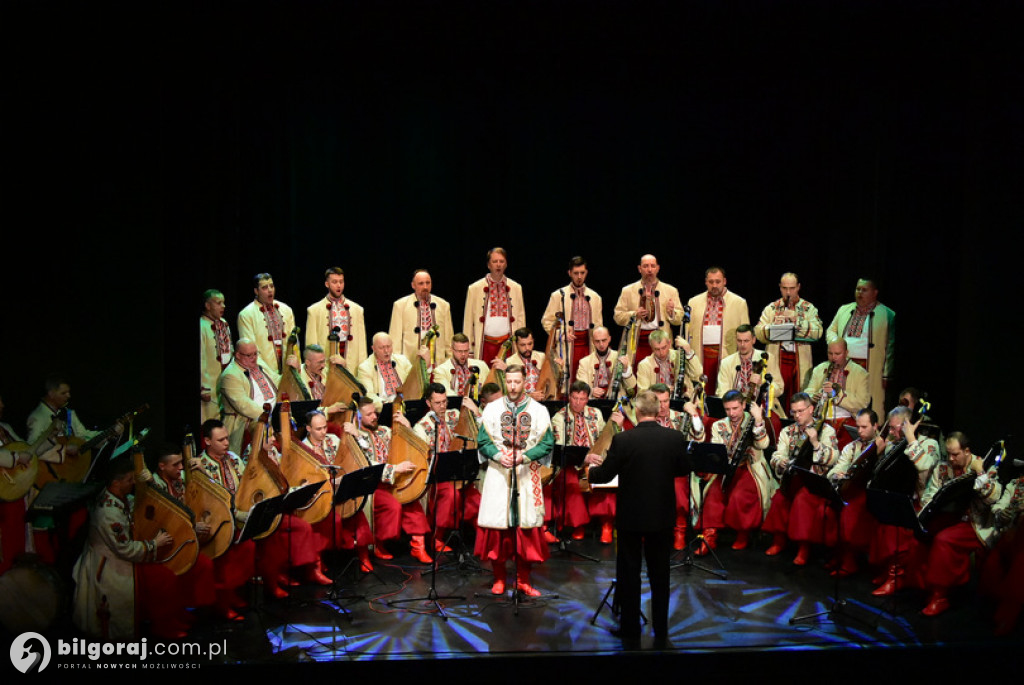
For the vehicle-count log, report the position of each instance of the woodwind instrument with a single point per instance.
(75, 466)
(802, 452)
(550, 380)
(210, 502)
(301, 467)
(262, 477)
(407, 446)
(156, 511)
(291, 379)
(419, 377)
(627, 344)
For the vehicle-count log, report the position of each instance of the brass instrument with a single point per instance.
(156, 511)
(738, 449)
(801, 452)
(893, 471)
(211, 504)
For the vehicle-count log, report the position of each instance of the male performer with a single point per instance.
(350, 533)
(844, 380)
(413, 315)
(438, 429)
(581, 312)
(57, 397)
(944, 561)
(494, 308)
(390, 519)
(869, 328)
(196, 587)
(655, 305)
(787, 318)
(749, 491)
(1004, 565)
(105, 592)
(236, 566)
(577, 425)
(662, 365)
(716, 315)
(799, 515)
(266, 322)
(644, 460)
(336, 315)
(670, 418)
(515, 435)
(736, 371)
(460, 374)
(856, 525)
(530, 360)
(245, 386)
(893, 544)
(598, 368)
(214, 351)
(383, 372)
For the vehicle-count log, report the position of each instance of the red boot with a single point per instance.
(419, 550)
(778, 544)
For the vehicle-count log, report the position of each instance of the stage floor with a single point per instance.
(748, 611)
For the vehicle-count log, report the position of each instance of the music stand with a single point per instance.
(704, 457)
(360, 483)
(820, 485)
(456, 465)
(568, 456)
(893, 509)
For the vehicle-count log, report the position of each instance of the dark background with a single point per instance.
(154, 153)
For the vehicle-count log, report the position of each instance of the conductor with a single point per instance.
(644, 460)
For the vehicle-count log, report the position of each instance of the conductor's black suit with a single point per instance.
(643, 459)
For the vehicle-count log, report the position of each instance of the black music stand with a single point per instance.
(704, 457)
(360, 483)
(453, 470)
(893, 509)
(457, 465)
(821, 486)
(567, 456)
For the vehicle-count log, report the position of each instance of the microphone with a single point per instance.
(686, 313)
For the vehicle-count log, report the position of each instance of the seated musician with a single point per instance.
(196, 586)
(245, 387)
(525, 356)
(236, 566)
(749, 490)
(856, 525)
(576, 424)
(893, 545)
(105, 573)
(68, 433)
(348, 533)
(597, 369)
(670, 418)
(737, 371)
(384, 371)
(1004, 566)
(460, 374)
(390, 519)
(944, 561)
(515, 436)
(440, 433)
(799, 515)
(662, 366)
(12, 513)
(847, 382)
(314, 361)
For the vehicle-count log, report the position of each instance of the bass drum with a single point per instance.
(32, 596)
